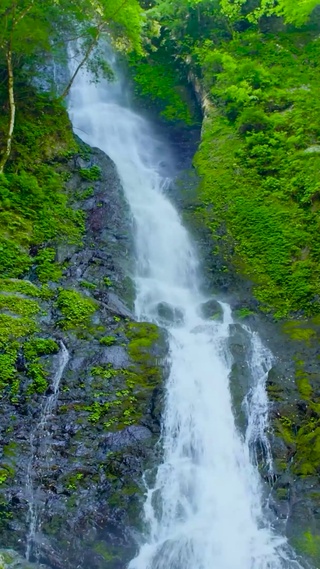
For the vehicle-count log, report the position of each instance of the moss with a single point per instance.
(308, 545)
(76, 310)
(21, 306)
(6, 472)
(10, 450)
(282, 493)
(89, 286)
(280, 464)
(92, 174)
(12, 328)
(72, 481)
(243, 313)
(307, 461)
(47, 269)
(101, 549)
(108, 340)
(84, 194)
(23, 287)
(105, 372)
(297, 331)
(142, 336)
(275, 393)
(5, 516)
(33, 349)
(304, 387)
(8, 370)
(39, 347)
(285, 429)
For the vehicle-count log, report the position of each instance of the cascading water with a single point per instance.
(256, 402)
(39, 448)
(204, 510)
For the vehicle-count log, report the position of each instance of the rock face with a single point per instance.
(78, 430)
(293, 390)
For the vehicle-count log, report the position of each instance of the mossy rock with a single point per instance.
(308, 545)
(10, 559)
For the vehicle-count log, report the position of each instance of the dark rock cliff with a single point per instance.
(74, 448)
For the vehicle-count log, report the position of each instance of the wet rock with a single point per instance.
(212, 310)
(116, 305)
(126, 438)
(168, 315)
(116, 356)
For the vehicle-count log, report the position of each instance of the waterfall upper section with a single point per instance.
(205, 508)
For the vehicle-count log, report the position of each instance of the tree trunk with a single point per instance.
(12, 107)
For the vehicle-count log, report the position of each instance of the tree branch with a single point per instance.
(82, 62)
(89, 50)
(22, 14)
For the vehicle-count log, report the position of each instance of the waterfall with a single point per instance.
(40, 448)
(205, 508)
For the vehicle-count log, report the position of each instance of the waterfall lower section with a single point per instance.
(205, 509)
(40, 443)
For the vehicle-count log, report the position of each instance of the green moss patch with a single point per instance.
(76, 309)
(308, 544)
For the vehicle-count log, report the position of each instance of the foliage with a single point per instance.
(14, 261)
(309, 544)
(158, 82)
(32, 31)
(255, 170)
(259, 159)
(294, 13)
(76, 310)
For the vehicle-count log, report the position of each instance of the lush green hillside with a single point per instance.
(258, 74)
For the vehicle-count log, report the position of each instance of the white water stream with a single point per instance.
(205, 509)
(40, 443)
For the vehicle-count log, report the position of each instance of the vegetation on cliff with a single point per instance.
(257, 72)
(36, 143)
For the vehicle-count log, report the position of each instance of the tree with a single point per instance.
(23, 30)
(31, 29)
(296, 13)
